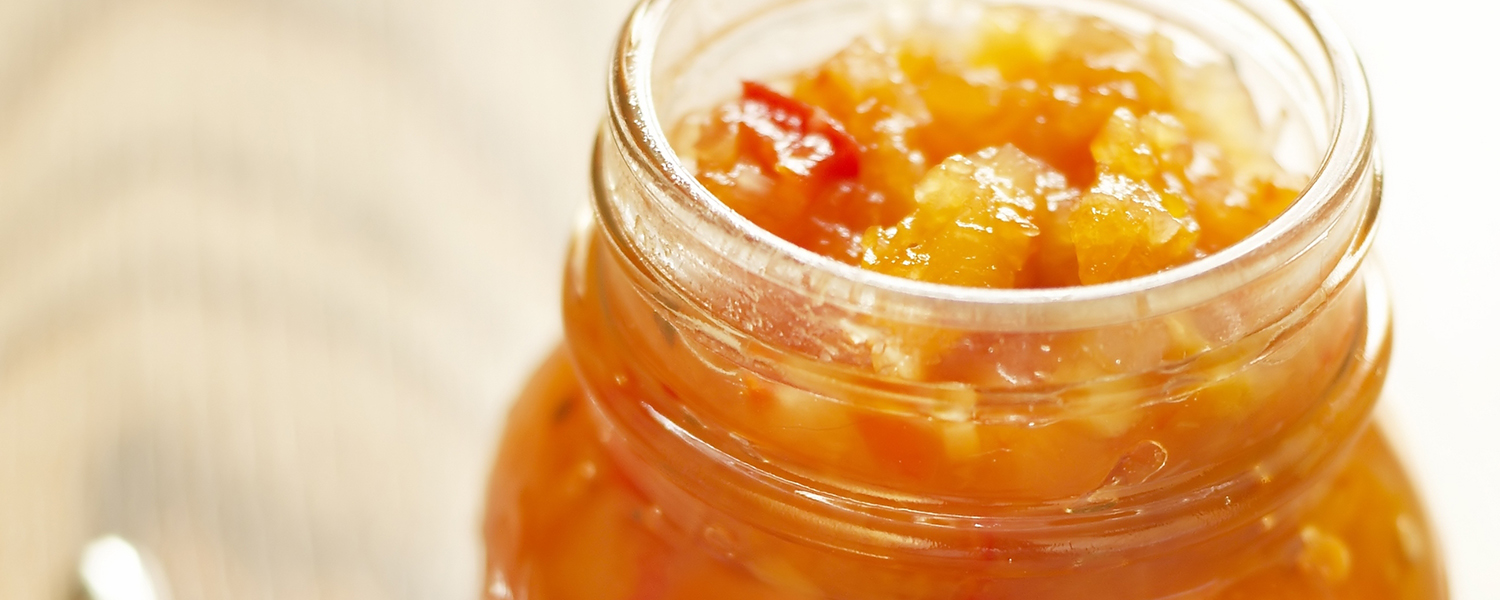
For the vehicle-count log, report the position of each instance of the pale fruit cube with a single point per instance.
(974, 222)
(1122, 230)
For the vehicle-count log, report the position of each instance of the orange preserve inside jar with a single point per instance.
(735, 415)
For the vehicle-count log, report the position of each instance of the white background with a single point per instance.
(1434, 67)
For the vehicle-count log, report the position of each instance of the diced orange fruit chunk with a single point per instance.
(865, 88)
(1122, 229)
(1133, 222)
(974, 223)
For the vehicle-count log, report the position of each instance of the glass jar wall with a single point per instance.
(735, 417)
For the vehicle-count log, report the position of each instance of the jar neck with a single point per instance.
(692, 458)
(744, 380)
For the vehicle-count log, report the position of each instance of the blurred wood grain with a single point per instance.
(268, 274)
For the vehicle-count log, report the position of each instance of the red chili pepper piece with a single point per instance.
(791, 138)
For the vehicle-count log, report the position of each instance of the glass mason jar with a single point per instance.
(735, 417)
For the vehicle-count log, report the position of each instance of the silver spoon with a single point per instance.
(111, 568)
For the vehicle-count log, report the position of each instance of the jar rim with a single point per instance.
(637, 128)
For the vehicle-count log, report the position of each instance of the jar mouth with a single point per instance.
(636, 125)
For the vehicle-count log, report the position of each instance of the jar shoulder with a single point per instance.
(565, 522)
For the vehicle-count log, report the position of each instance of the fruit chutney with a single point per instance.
(961, 300)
